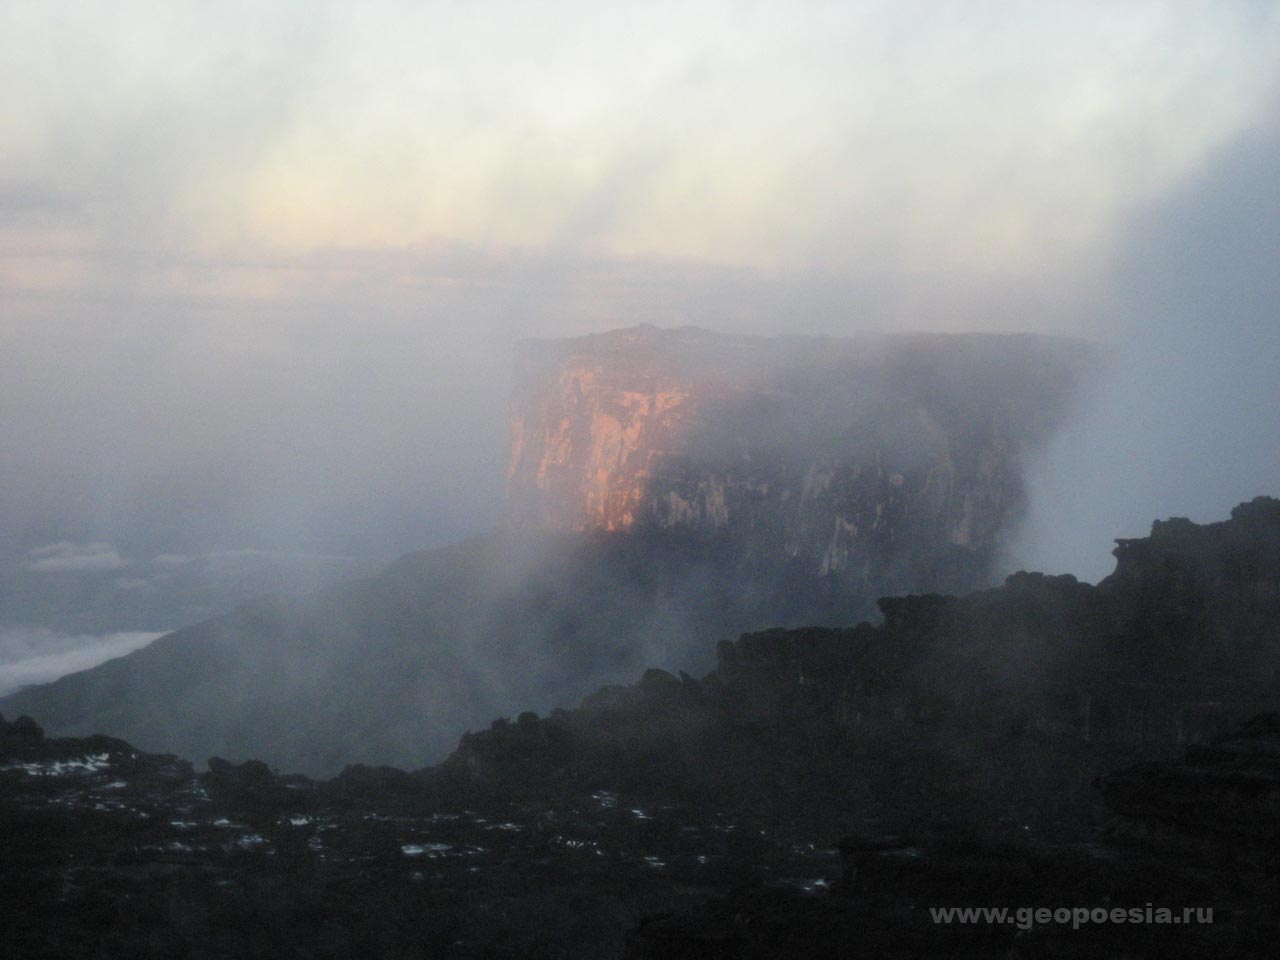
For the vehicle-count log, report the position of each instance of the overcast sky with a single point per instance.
(261, 263)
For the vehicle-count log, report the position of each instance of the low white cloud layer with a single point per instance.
(32, 655)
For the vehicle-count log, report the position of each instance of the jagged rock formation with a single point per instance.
(1205, 596)
(1018, 695)
(668, 489)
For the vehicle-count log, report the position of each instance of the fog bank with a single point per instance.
(1186, 421)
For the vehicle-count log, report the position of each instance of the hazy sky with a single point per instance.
(256, 150)
(260, 262)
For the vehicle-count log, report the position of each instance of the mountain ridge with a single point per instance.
(391, 668)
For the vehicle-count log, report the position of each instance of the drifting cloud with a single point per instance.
(65, 557)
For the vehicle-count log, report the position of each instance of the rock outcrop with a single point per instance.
(890, 462)
(1016, 696)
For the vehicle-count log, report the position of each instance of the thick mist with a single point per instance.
(1185, 420)
(261, 276)
(169, 458)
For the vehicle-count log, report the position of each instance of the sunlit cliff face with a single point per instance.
(853, 457)
(590, 445)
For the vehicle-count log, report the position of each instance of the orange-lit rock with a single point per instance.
(883, 460)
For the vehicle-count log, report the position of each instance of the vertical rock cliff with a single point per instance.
(887, 462)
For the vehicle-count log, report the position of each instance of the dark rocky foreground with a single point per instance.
(820, 793)
(109, 852)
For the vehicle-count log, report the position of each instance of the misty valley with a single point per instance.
(737, 675)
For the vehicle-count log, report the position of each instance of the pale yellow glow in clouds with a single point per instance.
(977, 138)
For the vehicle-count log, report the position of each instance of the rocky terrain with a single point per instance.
(110, 852)
(821, 792)
(668, 489)
(1024, 693)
